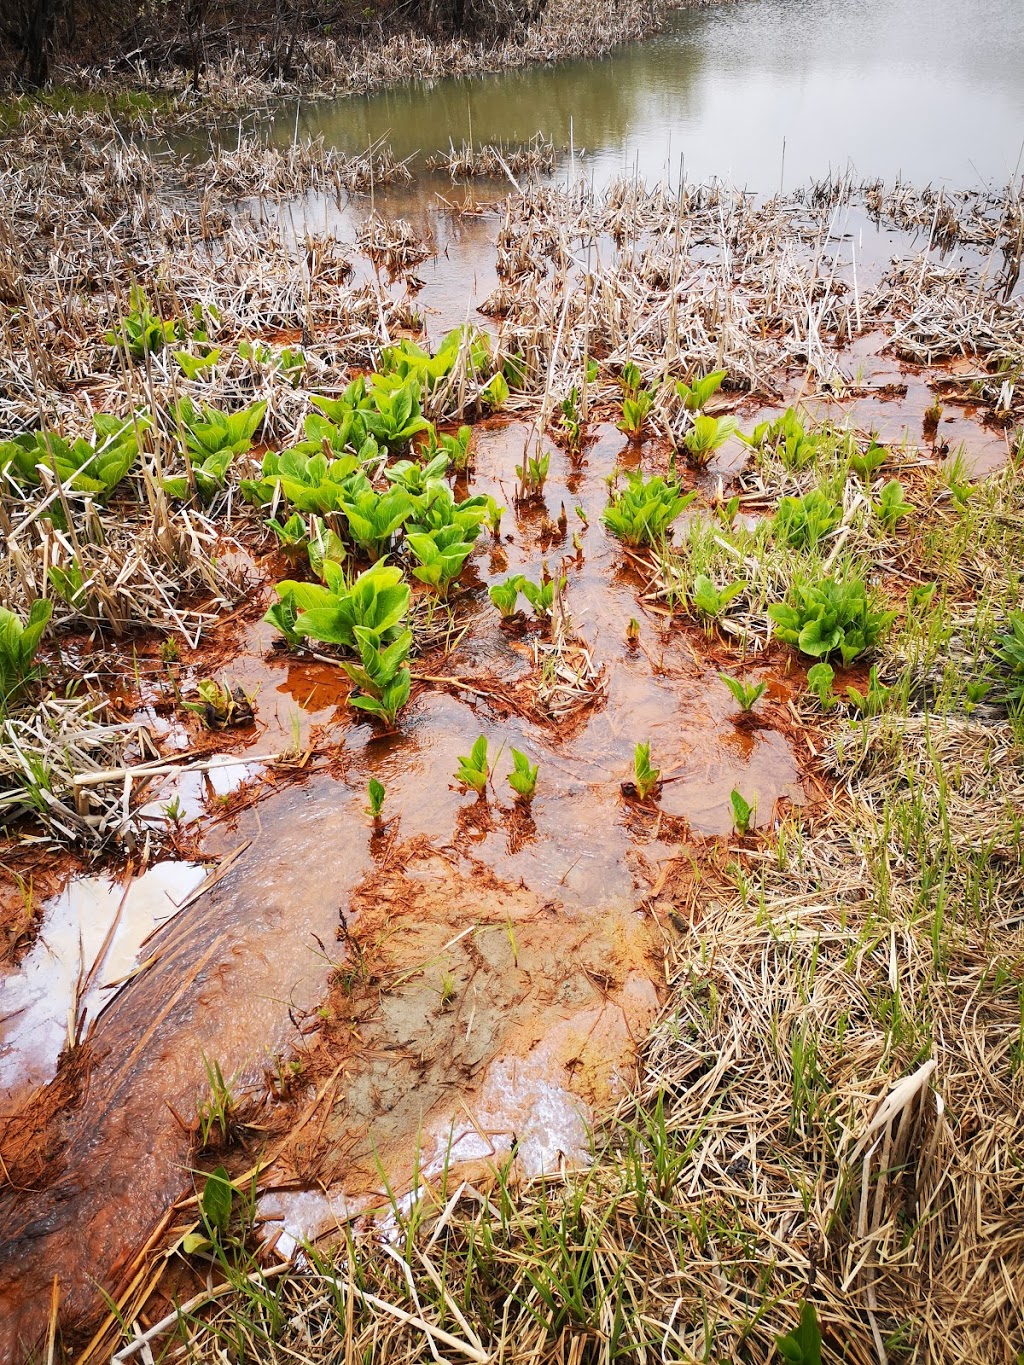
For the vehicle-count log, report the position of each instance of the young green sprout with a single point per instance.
(523, 777)
(448, 990)
(746, 694)
(820, 678)
(645, 777)
(376, 793)
(474, 770)
(743, 813)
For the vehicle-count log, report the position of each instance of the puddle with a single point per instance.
(89, 940)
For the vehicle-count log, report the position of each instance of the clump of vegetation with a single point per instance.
(19, 642)
(830, 616)
(220, 706)
(1010, 653)
(801, 523)
(641, 513)
(532, 475)
(212, 440)
(375, 795)
(743, 812)
(699, 392)
(635, 412)
(96, 466)
(141, 332)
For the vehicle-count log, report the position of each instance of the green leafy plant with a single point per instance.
(193, 366)
(382, 675)
(642, 512)
(19, 641)
(395, 416)
(711, 601)
(141, 332)
(523, 777)
(532, 475)
(474, 770)
(220, 706)
(866, 462)
(96, 466)
(703, 388)
(308, 482)
(631, 380)
(795, 448)
(292, 535)
(373, 518)
(1010, 652)
(890, 507)
(375, 793)
(871, 702)
(418, 479)
(441, 555)
(635, 411)
(541, 596)
(747, 695)
(645, 777)
(212, 440)
(505, 595)
(742, 813)
(217, 1110)
(707, 435)
(324, 545)
(830, 616)
(572, 419)
(801, 523)
(495, 392)
(377, 602)
(820, 677)
(68, 582)
(802, 1346)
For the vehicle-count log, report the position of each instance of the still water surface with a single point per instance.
(757, 92)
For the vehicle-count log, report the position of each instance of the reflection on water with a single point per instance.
(932, 90)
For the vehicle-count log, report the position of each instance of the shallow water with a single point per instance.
(927, 90)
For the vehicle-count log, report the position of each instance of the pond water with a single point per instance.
(757, 92)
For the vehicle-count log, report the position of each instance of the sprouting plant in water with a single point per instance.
(292, 535)
(871, 702)
(220, 706)
(645, 777)
(867, 461)
(643, 511)
(801, 523)
(890, 507)
(633, 633)
(532, 475)
(707, 435)
(541, 596)
(803, 1345)
(377, 601)
(635, 411)
(216, 1111)
(495, 392)
(523, 777)
(820, 677)
(747, 695)
(743, 812)
(830, 616)
(473, 769)
(505, 595)
(141, 332)
(572, 419)
(711, 601)
(19, 641)
(1010, 651)
(375, 794)
(701, 390)
(494, 514)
